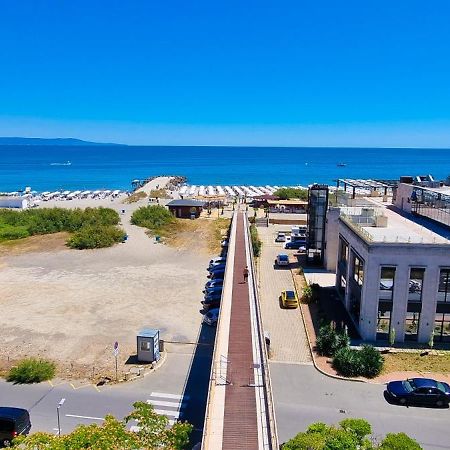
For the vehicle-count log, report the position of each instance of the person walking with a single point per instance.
(245, 273)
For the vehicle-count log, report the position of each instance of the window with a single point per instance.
(343, 250)
(387, 277)
(415, 284)
(412, 326)
(145, 346)
(358, 270)
(383, 324)
(444, 286)
(442, 327)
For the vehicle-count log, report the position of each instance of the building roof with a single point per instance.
(287, 202)
(186, 202)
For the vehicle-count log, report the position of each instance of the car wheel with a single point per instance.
(6, 443)
(439, 403)
(402, 401)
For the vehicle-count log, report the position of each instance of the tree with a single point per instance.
(153, 433)
(350, 434)
(288, 193)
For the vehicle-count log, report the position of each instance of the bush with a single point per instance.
(399, 441)
(367, 362)
(288, 193)
(371, 360)
(9, 233)
(153, 217)
(307, 294)
(96, 236)
(256, 242)
(32, 370)
(347, 362)
(328, 341)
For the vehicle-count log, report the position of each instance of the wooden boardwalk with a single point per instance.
(240, 429)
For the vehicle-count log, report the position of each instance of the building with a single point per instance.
(186, 208)
(287, 206)
(14, 202)
(317, 207)
(392, 263)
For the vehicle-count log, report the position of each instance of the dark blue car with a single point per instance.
(295, 244)
(216, 268)
(424, 391)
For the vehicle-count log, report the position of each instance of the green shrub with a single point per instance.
(371, 360)
(96, 236)
(367, 362)
(328, 341)
(153, 217)
(288, 193)
(359, 427)
(256, 242)
(32, 370)
(399, 441)
(348, 362)
(9, 233)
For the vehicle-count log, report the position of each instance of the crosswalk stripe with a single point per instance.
(171, 414)
(169, 404)
(163, 395)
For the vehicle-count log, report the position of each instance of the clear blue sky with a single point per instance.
(352, 72)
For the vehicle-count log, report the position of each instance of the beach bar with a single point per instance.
(186, 208)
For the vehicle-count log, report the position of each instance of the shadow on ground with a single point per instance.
(195, 392)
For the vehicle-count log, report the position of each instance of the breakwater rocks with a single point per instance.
(176, 181)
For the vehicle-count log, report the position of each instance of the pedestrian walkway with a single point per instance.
(288, 341)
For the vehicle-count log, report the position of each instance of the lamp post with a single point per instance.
(57, 414)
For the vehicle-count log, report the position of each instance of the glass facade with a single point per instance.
(442, 327)
(317, 215)
(358, 270)
(444, 286)
(415, 284)
(412, 322)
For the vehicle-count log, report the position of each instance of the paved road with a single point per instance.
(303, 396)
(287, 333)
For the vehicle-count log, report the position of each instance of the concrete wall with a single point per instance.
(403, 197)
(332, 239)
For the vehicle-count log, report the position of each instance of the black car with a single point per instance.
(216, 268)
(425, 391)
(295, 244)
(219, 274)
(211, 303)
(13, 422)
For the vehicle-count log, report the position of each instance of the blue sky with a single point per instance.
(228, 72)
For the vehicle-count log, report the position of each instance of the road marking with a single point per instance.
(84, 417)
(169, 404)
(164, 412)
(174, 396)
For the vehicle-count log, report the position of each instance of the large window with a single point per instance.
(383, 324)
(343, 251)
(412, 326)
(442, 327)
(358, 270)
(387, 277)
(415, 284)
(444, 286)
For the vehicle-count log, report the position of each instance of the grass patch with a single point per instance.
(32, 370)
(256, 242)
(403, 361)
(219, 228)
(135, 197)
(159, 193)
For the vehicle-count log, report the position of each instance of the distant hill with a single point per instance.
(46, 141)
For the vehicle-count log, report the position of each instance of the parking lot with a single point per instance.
(285, 326)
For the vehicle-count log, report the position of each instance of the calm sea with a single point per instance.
(97, 167)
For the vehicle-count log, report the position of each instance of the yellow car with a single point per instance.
(289, 299)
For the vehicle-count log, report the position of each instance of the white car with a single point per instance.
(281, 237)
(282, 260)
(211, 317)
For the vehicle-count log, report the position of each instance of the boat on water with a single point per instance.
(67, 163)
(341, 164)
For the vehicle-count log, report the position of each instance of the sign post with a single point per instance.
(116, 354)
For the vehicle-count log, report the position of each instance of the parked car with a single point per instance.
(212, 290)
(211, 304)
(213, 295)
(281, 237)
(213, 283)
(13, 422)
(211, 317)
(217, 259)
(224, 243)
(425, 391)
(295, 245)
(289, 299)
(282, 260)
(216, 268)
(218, 274)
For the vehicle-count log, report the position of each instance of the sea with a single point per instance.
(51, 168)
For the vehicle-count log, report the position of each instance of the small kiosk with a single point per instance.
(148, 345)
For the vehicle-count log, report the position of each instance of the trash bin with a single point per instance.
(148, 345)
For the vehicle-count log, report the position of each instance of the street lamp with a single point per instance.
(57, 413)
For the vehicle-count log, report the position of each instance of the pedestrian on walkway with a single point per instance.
(245, 272)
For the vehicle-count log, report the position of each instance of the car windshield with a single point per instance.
(408, 385)
(440, 386)
(290, 294)
(283, 257)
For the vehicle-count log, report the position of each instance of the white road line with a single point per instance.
(164, 412)
(84, 417)
(163, 395)
(169, 404)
